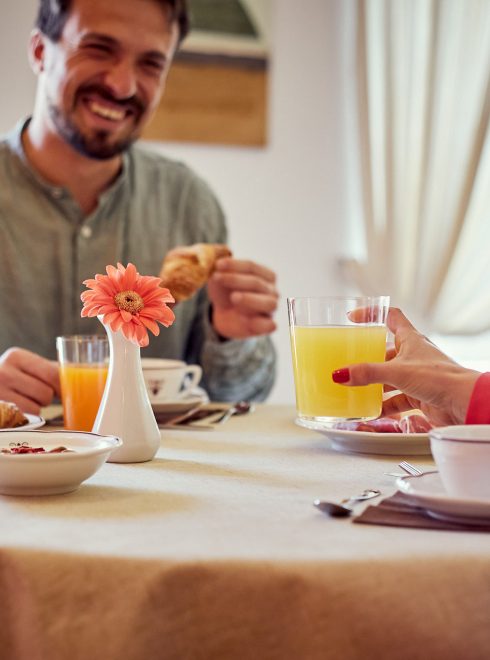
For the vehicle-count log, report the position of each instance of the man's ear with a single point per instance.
(36, 51)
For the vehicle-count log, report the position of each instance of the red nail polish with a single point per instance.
(341, 376)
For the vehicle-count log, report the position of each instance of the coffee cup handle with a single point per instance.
(193, 375)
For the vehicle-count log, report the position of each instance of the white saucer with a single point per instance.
(33, 422)
(364, 442)
(51, 474)
(428, 492)
(181, 405)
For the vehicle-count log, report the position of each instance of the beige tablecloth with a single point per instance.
(214, 551)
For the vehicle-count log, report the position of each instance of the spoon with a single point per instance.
(238, 408)
(342, 509)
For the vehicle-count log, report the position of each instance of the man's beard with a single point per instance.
(99, 145)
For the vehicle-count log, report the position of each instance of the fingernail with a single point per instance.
(341, 376)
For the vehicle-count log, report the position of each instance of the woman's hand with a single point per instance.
(426, 377)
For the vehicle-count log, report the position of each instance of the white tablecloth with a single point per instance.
(214, 550)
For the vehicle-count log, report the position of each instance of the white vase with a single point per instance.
(125, 410)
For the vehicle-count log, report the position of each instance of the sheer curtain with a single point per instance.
(420, 151)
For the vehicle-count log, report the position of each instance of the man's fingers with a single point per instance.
(244, 282)
(33, 388)
(25, 404)
(245, 267)
(28, 379)
(244, 297)
(245, 325)
(254, 303)
(261, 325)
(32, 365)
(28, 392)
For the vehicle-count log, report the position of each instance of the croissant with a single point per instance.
(187, 269)
(11, 416)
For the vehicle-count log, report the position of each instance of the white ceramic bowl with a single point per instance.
(50, 474)
(462, 456)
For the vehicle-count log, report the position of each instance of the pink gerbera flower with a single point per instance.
(129, 302)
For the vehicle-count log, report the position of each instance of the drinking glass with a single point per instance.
(327, 334)
(83, 363)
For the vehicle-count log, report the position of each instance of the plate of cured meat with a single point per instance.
(386, 435)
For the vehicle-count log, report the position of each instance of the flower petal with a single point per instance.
(98, 299)
(126, 316)
(151, 325)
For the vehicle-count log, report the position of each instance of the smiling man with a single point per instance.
(77, 194)
(102, 68)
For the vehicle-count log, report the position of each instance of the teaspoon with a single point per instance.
(238, 408)
(342, 508)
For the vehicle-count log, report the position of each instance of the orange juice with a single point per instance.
(82, 386)
(317, 351)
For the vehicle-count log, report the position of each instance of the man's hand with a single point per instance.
(28, 379)
(244, 297)
(426, 377)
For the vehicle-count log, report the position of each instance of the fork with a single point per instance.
(411, 469)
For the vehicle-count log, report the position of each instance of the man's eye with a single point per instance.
(98, 48)
(154, 65)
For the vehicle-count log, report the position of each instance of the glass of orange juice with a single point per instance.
(83, 363)
(326, 336)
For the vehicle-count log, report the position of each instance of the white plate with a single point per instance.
(363, 442)
(49, 474)
(428, 492)
(33, 422)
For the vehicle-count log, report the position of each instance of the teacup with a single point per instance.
(462, 456)
(168, 380)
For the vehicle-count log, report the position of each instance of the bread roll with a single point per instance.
(186, 269)
(11, 416)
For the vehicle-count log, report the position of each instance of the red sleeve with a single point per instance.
(479, 409)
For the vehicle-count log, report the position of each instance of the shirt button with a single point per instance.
(86, 232)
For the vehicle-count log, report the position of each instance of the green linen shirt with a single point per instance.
(48, 247)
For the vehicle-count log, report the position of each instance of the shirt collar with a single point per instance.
(14, 140)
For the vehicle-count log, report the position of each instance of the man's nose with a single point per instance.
(121, 80)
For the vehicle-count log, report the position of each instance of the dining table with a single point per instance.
(214, 550)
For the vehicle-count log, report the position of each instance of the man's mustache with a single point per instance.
(132, 103)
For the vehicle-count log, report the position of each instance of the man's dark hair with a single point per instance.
(53, 14)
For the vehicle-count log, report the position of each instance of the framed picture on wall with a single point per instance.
(217, 87)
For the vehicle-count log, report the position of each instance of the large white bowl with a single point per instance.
(462, 456)
(50, 474)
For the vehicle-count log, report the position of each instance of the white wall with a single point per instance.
(286, 203)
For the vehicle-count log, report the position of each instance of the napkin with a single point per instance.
(202, 416)
(399, 511)
(55, 421)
